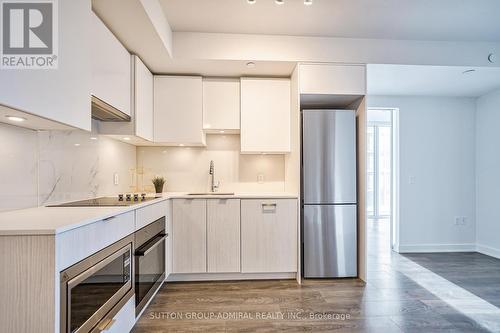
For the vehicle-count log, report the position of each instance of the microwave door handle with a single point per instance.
(142, 252)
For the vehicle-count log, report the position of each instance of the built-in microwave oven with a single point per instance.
(96, 288)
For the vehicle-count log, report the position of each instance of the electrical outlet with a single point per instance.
(464, 220)
(260, 178)
(411, 180)
(115, 178)
(458, 220)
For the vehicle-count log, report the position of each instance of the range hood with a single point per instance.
(104, 112)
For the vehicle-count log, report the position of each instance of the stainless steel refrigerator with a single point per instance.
(329, 202)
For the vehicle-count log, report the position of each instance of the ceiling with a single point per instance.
(451, 20)
(431, 80)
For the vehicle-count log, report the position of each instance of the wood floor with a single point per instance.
(450, 292)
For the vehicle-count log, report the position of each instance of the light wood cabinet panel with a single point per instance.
(189, 236)
(268, 236)
(332, 79)
(147, 215)
(223, 235)
(265, 115)
(221, 104)
(111, 68)
(178, 110)
(143, 97)
(77, 244)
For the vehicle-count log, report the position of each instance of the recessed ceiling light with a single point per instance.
(126, 138)
(469, 71)
(251, 64)
(93, 138)
(16, 119)
(77, 145)
(308, 2)
(181, 145)
(279, 2)
(251, 1)
(221, 131)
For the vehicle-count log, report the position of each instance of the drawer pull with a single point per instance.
(269, 207)
(109, 218)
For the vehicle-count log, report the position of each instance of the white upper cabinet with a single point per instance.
(265, 115)
(111, 68)
(221, 105)
(61, 94)
(143, 98)
(332, 79)
(178, 110)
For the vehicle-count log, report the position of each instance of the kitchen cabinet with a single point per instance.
(63, 94)
(223, 235)
(111, 68)
(140, 128)
(189, 235)
(178, 110)
(329, 79)
(265, 115)
(268, 236)
(143, 100)
(221, 105)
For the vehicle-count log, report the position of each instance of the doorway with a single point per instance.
(381, 180)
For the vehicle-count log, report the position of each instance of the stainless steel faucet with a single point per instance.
(211, 172)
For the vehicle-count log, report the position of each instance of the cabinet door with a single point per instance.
(328, 79)
(269, 236)
(61, 94)
(189, 236)
(265, 115)
(143, 100)
(221, 104)
(178, 110)
(223, 235)
(111, 68)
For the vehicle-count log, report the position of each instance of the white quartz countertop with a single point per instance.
(55, 220)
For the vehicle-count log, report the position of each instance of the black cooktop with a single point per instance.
(106, 202)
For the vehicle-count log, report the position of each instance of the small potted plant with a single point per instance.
(158, 182)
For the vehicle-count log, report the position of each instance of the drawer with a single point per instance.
(77, 244)
(149, 214)
(124, 320)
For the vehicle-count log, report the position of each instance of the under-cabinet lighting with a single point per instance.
(126, 138)
(16, 119)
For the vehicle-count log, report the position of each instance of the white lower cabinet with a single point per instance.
(189, 235)
(268, 236)
(223, 235)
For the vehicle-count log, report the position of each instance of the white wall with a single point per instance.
(38, 168)
(186, 168)
(437, 150)
(488, 173)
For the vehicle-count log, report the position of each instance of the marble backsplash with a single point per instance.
(45, 167)
(186, 168)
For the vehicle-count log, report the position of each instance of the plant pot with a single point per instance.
(159, 188)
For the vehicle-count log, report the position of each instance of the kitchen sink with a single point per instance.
(211, 193)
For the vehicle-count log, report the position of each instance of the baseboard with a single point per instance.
(425, 248)
(488, 250)
(230, 276)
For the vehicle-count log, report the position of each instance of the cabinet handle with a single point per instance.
(105, 325)
(269, 207)
(109, 218)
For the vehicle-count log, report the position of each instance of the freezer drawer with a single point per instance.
(329, 156)
(330, 241)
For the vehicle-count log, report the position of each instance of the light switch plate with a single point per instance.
(115, 178)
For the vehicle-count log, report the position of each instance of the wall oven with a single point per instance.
(96, 288)
(149, 262)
